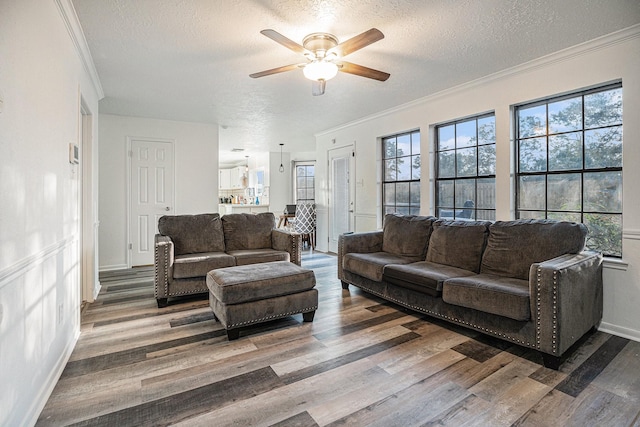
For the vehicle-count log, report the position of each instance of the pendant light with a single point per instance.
(281, 166)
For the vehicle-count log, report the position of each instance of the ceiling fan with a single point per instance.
(324, 57)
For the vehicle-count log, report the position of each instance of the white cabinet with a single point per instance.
(224, 181)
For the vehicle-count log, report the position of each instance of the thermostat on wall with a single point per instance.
(74, 153)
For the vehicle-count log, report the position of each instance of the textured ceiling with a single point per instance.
(190, 60)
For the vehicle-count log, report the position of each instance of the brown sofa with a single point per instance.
(189, 246)
(529, 282)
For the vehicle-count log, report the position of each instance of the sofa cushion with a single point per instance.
(254, 256)
(499, 295)
(371, 265)
(406, 235)
(458, 243)
(193, 234)
(198, 265)
(425, 277)
(248, 231)
(514, 245)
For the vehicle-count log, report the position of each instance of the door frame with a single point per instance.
(352, 189)
(128, 155)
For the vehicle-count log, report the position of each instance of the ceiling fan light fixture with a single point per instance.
(320, 70)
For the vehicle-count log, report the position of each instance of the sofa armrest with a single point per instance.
(367, 242)
(283, 240)
(566, 299)
(163, 262)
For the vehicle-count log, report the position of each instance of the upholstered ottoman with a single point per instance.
(248, 294)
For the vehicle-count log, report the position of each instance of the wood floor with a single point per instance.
(361, 362)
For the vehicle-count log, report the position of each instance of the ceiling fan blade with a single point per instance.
(359, 70)
(317, 87)
(275, 71)
(284, 41)
(357, 42)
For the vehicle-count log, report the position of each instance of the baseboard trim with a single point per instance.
(113, 267)
(47, 388)
(620, 331)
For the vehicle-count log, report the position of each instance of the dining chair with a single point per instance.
(305, 222)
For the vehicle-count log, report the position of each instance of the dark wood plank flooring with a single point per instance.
(362, 362)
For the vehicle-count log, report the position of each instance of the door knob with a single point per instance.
(167, 208)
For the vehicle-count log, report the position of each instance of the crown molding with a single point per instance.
(70, 18)
(602, 42)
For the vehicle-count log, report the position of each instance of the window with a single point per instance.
(466, 169)
(401, 173)
(305, 181)
(569, 163)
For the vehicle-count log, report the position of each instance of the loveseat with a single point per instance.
(187, 247)
(529, 282)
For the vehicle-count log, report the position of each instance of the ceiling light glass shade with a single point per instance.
(320, 70)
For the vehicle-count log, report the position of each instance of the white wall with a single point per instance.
(603, 60)
(43, 77)
(196, 175)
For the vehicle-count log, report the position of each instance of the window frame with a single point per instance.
(582, 170)
(311, 163)
(412, 207)
(460, 211)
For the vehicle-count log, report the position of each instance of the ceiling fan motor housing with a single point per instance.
(319, 43)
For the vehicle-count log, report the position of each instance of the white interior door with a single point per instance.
(151, 195)
(341, 194)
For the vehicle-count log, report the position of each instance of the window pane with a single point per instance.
(486, 215)
(414, 210)
(444, 213)
(467, 162)
(486, 193)
(565, 216)
(300, 171)
(390, 194)
(466, 134)
(487, 130)
(565, 115)
(402, 193)
(603, 148)
(532, 121)
(415, 143)
(530, 215)
(404, 145)
(389, 147)
(301, 193)
(446, 138)
(445, 194)
(565, 151)
(446, 165)
(487, 160)
(311, 194)
(389, 209)
(309, 182)
(403, 210)
(605, 233)
(603, 192)
(310, 170)
(415, 167)
(404, 168)
(415, 193)
(531, 192)
(603, 108)
(390, 170)
(533, 155)
(465, 192)
(300, 181)
(564, 192)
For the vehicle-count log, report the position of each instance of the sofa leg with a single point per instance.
(233, 334)
(345, 285)
(308, 316)
(162, 302)
(551, 362)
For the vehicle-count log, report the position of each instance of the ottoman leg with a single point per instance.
(233, 334)
(308, 317)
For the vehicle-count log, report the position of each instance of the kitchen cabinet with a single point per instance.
(224, 182)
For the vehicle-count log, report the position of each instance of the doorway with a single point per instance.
(151, 194)
(342, 192)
